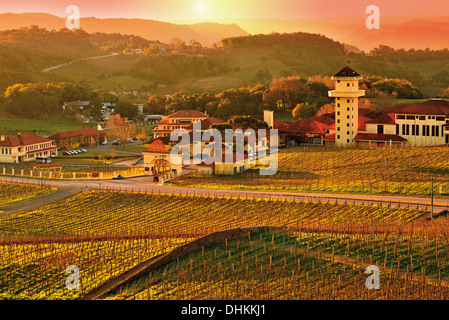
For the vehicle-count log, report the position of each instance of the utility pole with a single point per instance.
(431, 213)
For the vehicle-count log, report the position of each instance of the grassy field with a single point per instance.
(12, 125)
(405, 171)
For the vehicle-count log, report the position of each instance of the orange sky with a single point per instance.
(171, 10)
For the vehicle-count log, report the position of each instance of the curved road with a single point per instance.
(145, 184)
(76, 61)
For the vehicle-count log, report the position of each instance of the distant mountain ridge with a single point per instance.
(205, 33)
(419, 32)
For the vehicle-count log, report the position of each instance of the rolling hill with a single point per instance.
(205, 33)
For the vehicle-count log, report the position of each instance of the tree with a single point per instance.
(304, 111)
(327, 108)
(263, 76)
(126, 109)
(120, 128)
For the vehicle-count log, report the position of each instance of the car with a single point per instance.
(70, 152)
(129, 140)
(118, 177)
(66, 153)
(84, 150)
(104, 143)
(80, 151)
(116, 143)
(74, 152)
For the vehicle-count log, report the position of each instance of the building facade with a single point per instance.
(346, 96)
(25, 147)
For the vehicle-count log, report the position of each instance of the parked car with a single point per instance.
(66, 153)
(118, 177)
(84, 150)
(104, 142)
(116, 143)
(80, 151)
(129, 140)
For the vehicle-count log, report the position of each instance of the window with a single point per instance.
(347, 124)
(440, 118)
(347, 132)
(417, 129)
(338, 105)
(410, 117)
(400, 117)
(338, 137)
(347, 140)
(413, 129)
(403, 129)
(348, 84)
(380, 129)
(428, 130)
(437, 131)
(433, 131)
(397, 129)
(338, 113)
(338, 128)
(347, 109)
(338, 120)
(338, 81)
(408, 129)
(422, 117)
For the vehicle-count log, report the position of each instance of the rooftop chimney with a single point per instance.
(2, 137)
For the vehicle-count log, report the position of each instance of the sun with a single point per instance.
(200, 6)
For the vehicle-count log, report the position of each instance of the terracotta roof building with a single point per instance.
(84, 136)
(25, 147)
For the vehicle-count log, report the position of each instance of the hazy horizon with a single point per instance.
(190, 10)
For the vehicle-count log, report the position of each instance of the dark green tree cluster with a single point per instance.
(45, 100)
(175, 66)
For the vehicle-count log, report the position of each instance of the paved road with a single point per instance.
(145, 184)
(76, 61)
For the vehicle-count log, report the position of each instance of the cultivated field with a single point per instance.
(13, 192)
(321, 255)
(295, 266)
(405, 171)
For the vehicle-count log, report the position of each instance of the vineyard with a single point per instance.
(403, 170)
(322, 254)
(12, 192)
(36, 269)
(272, 265)
(119, 213)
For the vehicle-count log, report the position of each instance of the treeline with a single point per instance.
(396, 55)
(119, 42)
(175, 66)
(307, 54)
(376, 86)
(45, 100)
(282, 94)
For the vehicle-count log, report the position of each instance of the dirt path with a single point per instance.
(61, 193)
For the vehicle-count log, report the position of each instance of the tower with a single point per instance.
(346, 96)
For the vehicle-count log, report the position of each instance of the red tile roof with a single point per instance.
(188, 114)
(379, 137)
(430, 107)
(386, 118)
(157, 146)
(23, 139)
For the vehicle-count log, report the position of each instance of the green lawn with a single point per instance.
(12, 125)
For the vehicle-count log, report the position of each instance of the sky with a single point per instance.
(173, 10)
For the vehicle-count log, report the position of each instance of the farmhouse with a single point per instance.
(25, 147)
(178, 120)
(84, 136)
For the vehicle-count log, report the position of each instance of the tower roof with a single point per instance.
(347, 72)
